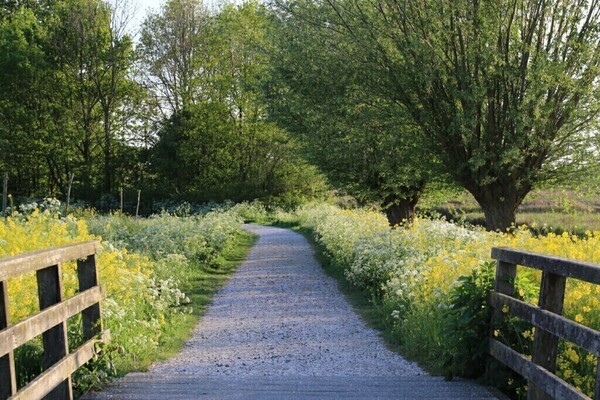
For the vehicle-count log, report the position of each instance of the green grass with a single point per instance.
(551, 210)
(204, 283)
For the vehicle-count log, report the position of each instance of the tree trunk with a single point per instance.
(499, 216)
(401, 211)
(499, 205)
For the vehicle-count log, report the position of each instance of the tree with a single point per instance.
(114, 86)
(175, 53)
(365, 143)
(64, 79)
(503, 90)
(219, 143)
(28, 149)
(95, 57)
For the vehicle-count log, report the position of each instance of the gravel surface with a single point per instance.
(280, 315)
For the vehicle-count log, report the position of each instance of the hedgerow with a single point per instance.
(432, 277)
(142, 264)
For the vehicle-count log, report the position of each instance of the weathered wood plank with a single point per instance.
(148, 386)
(88, 277)
(545, 344)
(503, 283)
(550, 383)
(54, 340)
(560, 266)
(24, 331)
(505, 277)
(8, 384)
(18, 265)
(573, 332)
(43, 384)
(597, 388)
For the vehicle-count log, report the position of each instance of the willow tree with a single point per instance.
(364, 142)
(503, 90)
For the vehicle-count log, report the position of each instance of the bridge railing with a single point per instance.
(51, 320)
(546, 318)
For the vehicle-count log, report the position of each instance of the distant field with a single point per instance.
(544, 210)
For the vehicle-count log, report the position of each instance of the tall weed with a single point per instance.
(142, 263)
(433, 276)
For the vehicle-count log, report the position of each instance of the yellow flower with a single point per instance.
(572, 355)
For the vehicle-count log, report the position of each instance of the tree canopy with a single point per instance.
(248, 101)
(366, 143)
(181, 113)
(503, 91)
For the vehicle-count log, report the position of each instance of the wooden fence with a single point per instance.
(547, 319)
(51, 321)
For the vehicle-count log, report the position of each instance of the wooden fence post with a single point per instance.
(55, 339)
(505, 284)
(88, 278)
(137, 208)
(121, 195)
(597, 389)
(5, 192)
(545, 344)
(71, 177)
(8, 382)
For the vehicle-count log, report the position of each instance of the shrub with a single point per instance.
(141, 266)
(198, 238)
(432, 278)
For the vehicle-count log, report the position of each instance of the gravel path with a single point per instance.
(281, 329)
(281, 315)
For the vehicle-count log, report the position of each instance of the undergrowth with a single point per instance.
(427, 284)
(159, 274)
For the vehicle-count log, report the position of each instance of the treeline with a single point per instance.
(495, 97)
(179, 113)
(386, 98)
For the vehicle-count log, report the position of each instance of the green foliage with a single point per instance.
(24, 69)
(217, 144)
(500, 109)
(65, 98)
(365, 143)
(195, 238)
(253, 212)
(429, 282)
(174, 53)
(468, 323)
(28, 363)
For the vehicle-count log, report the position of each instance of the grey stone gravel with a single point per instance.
(280, 315)
(280, 329)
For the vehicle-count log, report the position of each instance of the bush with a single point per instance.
(141, 263)
(432, 278)
(198, 238)
(467, 323)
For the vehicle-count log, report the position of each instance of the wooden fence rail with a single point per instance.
(546, 318)
(51, 321)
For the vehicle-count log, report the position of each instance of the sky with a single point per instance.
(143, 7)
(140, 8)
